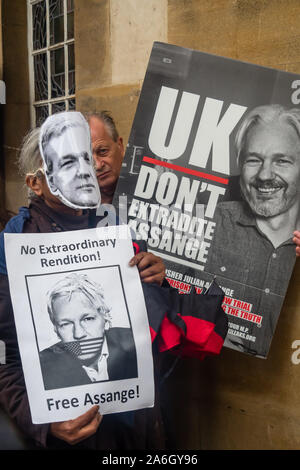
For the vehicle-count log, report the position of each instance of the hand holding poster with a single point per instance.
(81, 322)
(213, 163)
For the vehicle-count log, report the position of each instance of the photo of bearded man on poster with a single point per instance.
(252, 250)
(256, 232)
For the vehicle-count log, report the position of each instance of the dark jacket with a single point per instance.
(190, 325)
(141, 429)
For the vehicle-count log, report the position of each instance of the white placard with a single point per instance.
(74, 293)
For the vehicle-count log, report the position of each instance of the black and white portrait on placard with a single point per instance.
(82, 336)
(65, 146)
(260, 222)
(81, 321)
(212, 170)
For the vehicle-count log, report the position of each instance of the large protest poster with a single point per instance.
(81, 322)
(212, 178)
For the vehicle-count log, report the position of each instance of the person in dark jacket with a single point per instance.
(131, 430)
(191, 325)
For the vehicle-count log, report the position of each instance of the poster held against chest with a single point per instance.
(81, 322)
(213, 167)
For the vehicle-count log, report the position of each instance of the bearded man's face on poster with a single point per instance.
(270, 173)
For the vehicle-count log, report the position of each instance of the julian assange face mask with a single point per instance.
(65, 147)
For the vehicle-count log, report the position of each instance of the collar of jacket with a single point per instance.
(14, 225)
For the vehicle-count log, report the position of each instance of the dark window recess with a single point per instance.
(40, 77)
(57, 59)
(57, 107)
(71, 60)
(41, 113)
(72, 104)
(56, 21)
(39, 37)
(70, 19)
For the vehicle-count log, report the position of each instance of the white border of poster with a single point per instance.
(36, 263)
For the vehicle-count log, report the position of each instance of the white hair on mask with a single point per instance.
(74, 283)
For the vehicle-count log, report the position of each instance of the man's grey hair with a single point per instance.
(29, 159)
(266, 115)
(74, 283)
(55, 126)
(108, 121)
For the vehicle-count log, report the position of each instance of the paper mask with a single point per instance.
(65, 147)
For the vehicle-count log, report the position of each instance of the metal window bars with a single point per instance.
(51, 57)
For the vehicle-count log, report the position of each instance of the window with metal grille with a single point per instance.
(51, 57)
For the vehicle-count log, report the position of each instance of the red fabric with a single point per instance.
(189, 326)
(153, 334)
(136, 248)
(169, 335)
(198, 330)
(214, 344)
(200, 339)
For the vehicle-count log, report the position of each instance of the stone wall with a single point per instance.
(16, 115)
(119, 40)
